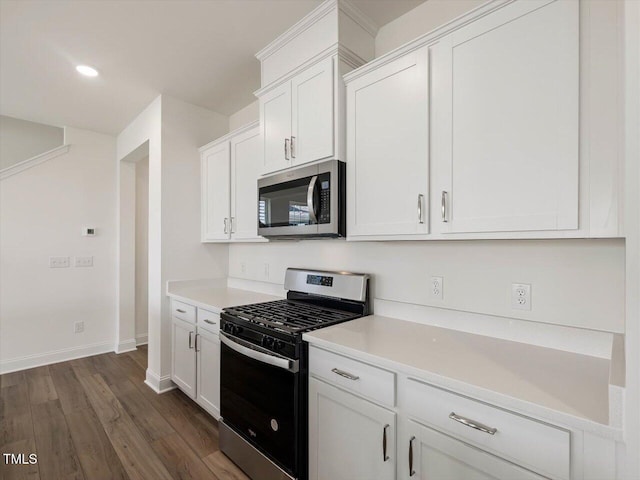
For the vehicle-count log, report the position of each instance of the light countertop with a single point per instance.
(562, 386)
(214, 296)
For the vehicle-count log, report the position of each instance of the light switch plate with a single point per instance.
(59, 262)
(84, 262)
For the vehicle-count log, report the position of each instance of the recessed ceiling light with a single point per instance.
(87, 71)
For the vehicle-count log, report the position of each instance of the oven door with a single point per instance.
(259, 399)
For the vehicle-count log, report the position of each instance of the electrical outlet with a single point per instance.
(84, 262)
(266, 270)
(59, 262)
(78, 327)
(436, 288)
(243, 267)
(521, 296)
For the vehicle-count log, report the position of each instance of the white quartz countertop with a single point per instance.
(561, 386)
(214, 296)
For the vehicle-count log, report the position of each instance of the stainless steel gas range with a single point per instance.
(264, 370)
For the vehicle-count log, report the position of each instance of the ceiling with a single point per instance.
(200, 51)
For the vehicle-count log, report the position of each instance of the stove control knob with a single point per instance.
(279, 345)
(238, 329)
(267, 341)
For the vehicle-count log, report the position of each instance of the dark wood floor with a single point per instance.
(94, 418)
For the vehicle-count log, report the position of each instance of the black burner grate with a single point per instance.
(290, 316)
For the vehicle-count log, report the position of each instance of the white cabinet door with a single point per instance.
(348, 436)
(312, 100)
(432, 455)
(246, 151)
(506, 118)
(275, 122)
(183, 356)
(208, 362)
(388, 149)
(215, 193)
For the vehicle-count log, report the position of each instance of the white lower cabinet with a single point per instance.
(195, 356)
(368, 422)
(208, 366)
(432, 455)
(350, 438)
(183, 356)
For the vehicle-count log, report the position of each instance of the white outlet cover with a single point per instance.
(436, 288)
(521, 296)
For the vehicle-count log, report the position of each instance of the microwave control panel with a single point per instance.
(324, 210)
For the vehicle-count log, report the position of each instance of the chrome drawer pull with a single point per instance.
(443, 206)
(472, 424)
(344, 374)
(209, 322)
(180, 311)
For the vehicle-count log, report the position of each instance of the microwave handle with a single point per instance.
(310, 199)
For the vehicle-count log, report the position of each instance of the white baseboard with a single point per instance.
(126, 346)
(159, 384)
(55, 356)
(142, 339)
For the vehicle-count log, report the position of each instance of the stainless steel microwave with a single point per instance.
(304, 202)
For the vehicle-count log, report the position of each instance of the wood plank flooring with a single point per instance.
(94, 418)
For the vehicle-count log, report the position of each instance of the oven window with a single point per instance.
(284, 204)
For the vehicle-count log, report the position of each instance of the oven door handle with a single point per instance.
(252, 352)
(310, 200)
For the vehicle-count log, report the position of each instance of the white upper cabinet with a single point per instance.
(246, 151)
(230, 169)
(302, 93)
(215, 192)
(298, 119)
(511, 129)
(388, 149)
(506, 96)
(275, 118)
(312, 113)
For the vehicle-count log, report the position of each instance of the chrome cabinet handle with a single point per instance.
(385, 457)
(443, 206)
(412, 472)
(225, 225)
(181, 311)
(231, 222)
(472, 424)
(209, 322)
(286, 149)
(293, 147)
(420, 200)
(310, 203)
(197, 336)
(344, 374)
(190, 340)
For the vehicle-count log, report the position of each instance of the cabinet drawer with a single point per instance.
(366, 380)
(527, 442)
(209, 321)
(183, 311)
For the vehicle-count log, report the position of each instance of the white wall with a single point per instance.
(574, 282)
(248, 114)
(42, 212)
(174, 130)
(422, 19)
(21, 140)
(142, 250)
(632, 225)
